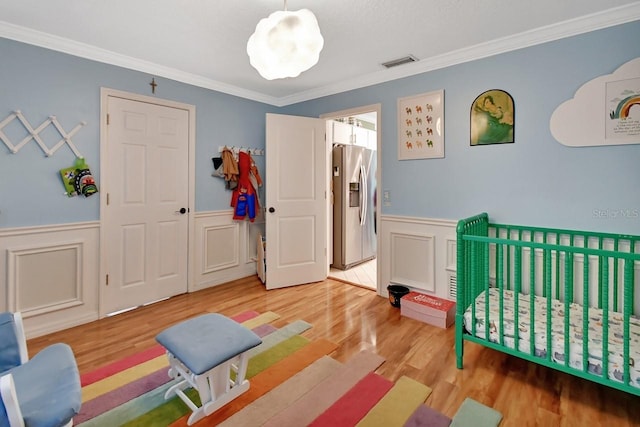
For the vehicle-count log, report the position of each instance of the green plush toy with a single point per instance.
(77, 179)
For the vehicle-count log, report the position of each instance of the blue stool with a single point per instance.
(202, 353)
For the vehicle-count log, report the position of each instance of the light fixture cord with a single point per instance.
(285, 5)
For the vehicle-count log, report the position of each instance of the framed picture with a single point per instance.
(421, 126)
(622, 126)
(492, 118)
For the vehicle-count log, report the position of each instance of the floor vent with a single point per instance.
(400, 61)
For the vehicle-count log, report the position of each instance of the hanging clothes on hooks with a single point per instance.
(230, 169)
(256, 180)
(244, 199)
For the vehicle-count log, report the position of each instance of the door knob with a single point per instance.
(182, 211)
(272, 209)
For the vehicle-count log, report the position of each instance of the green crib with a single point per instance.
(564, 299)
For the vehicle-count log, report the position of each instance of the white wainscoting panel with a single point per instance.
(224, 249)
(45, 279)
(412, 261)
(221, 247)
(415, 252)
(52, 275)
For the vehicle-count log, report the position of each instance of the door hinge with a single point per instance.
(108, 117)
(107, 280)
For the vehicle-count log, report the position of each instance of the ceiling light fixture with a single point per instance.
(285, 44)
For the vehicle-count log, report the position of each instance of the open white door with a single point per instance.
(296, 230)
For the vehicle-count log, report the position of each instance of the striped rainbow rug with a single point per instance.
(293, 383)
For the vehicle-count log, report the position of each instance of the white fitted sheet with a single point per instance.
(575, 336)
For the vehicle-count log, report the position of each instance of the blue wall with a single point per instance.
(41, 83)
(536, 180)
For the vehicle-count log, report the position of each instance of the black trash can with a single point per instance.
(395, 293)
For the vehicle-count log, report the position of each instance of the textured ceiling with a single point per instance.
(204, 42)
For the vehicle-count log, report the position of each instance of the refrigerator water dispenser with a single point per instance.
(354, 194)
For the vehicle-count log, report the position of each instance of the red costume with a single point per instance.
(244, 199)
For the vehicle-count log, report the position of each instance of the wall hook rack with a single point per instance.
(236, 150)
(35, 134)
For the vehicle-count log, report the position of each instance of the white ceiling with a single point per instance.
(203, 42)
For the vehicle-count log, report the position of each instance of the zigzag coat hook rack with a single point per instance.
(35, 134)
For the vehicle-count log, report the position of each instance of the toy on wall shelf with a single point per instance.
(78, 179)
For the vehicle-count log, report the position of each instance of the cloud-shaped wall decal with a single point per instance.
(604, 111)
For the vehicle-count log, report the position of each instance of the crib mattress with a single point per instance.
(575, 337)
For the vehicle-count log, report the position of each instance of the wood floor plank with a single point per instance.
(357, 319)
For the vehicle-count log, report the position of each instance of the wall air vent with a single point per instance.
(453, 286)
(400, 61)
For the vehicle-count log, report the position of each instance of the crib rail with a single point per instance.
(570, 270)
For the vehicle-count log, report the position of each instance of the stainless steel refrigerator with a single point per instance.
(354, 212)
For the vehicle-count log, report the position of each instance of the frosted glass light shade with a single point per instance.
(285, 44)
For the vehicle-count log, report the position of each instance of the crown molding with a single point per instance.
(573, 27)
(87, 51)
(584, 24)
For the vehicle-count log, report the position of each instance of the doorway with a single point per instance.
(354, 127)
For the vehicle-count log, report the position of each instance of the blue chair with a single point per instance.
(42, 392)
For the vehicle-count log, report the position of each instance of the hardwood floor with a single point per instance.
(356, 318)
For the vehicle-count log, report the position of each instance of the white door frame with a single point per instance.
(353, 112)
(104, 182)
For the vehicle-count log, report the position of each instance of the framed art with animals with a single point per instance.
(421, 126)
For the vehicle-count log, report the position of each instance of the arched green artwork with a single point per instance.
(492, 118)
